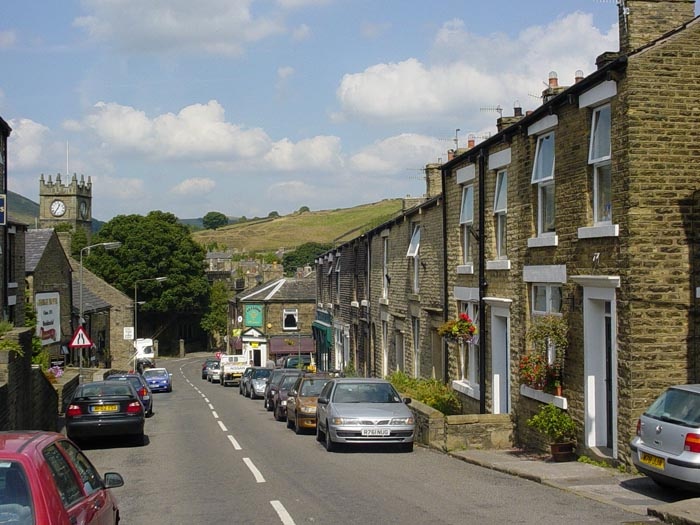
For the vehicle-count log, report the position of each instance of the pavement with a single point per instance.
(630, 492)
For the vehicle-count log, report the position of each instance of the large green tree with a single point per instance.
(303, 255)
(214, 321)
(156, 245)
(214, 220)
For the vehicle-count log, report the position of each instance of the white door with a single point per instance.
(500, 361)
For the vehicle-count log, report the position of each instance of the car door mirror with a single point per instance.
(323, 400)
(407, 400)
(112, 480)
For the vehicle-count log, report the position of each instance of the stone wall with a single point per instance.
(44, 402)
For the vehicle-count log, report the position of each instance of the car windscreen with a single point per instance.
(677, 406)
(111, 388)
(155, 373)
(312, 387)
(262, 372)
(15, 493)
(365, 393)
(288, 382)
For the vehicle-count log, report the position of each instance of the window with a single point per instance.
(543, 176)
(385, 348)
(337, 280)
(546, 299)
(599, 157)
(290, 319)
(500, 210)
(399, 343)
(88, 475)
(469, 352)
(67, 485)
(466, 220)
(415, 329)
(414, 252)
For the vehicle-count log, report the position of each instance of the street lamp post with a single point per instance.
(136, 305)
(81, 321)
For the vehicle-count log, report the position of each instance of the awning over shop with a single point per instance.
(281, 345)
(324, 332)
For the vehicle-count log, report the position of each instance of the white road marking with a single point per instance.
(223, 427)
(282, 512)
(234, 442)
(256, 473)
(206, 399)
(213, 413)
(211, 407)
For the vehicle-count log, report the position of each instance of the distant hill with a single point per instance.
(291, 231)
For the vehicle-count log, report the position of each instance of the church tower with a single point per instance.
(66, 204)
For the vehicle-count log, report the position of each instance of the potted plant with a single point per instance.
(534, 370)
(548, 339)
(461, 329)
(559, 428)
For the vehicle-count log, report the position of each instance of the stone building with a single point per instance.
(273, 319)
(586, 209)
(66, 204)
(598, 225)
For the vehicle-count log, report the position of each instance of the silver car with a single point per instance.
(667, 445)
(363, 410)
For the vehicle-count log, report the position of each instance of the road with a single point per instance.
(213, 456)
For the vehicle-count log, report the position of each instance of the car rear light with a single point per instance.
(692, 443)
(639, 427)
(134, 407)
(143, 392)
(73, 410)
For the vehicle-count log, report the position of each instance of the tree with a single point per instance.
(273, 215)
(156, 245)
(214, 220)
(303, 255)
(304, 209)
(214, 321)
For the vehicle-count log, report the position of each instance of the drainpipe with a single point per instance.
(482, 281)
(445, 293)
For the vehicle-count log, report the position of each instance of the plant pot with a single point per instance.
(562, 452)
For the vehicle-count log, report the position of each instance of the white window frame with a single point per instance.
(400, 345)
(466, 221)
(385, 348)
(337, 280)
(469, 352)
(543, 176)
(415, 334)
(385, 268)
(293, 312)
(553, 294)
(500, 211)
(414, 253)
(601, 126)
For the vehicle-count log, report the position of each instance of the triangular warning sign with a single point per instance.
(80, 339)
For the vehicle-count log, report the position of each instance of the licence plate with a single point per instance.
(651, 460)
(376, 432)
(105, 408)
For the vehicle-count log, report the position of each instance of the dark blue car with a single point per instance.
(141, 387)
(158, 379)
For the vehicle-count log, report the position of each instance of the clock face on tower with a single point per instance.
(83, 210)
(58, 208)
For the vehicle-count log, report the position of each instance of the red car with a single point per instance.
(46, 479)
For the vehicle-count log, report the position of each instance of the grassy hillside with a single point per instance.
(293, 230)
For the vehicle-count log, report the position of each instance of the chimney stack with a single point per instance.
(471, 141)
(643, 21)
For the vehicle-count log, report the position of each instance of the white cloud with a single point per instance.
(194, 185)
(198, 132)
(122, 188)
(302, 32)
(7, 39)
(467, 72)
(396, 154)
(29, 144)
(285, 72)
(373, 30)
(214, 26)
(316, 153)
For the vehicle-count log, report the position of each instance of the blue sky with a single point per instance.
(247, 107)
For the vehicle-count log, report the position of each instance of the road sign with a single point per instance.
(128, 333)
(80, 339)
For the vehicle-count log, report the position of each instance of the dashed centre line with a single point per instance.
(256, 473)
(285, 518)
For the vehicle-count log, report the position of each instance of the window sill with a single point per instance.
(592, 232)
(465, 387)
(465, 269)
(500, 264)
(539, 395)
(354, 304)
(384, 301)
(544, 241)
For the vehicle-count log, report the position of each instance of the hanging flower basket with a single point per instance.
(461, 330)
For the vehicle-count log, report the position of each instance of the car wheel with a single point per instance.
(264, 402)
(289, 422)
(406, 447)
(330, 445)
(297, 428)
(139, 439)
(319, 434)
(278, 416)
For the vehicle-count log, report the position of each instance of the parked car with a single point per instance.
(105, 408)
(293, 361)
(46, 479)
(141, 387)
(302, 401)
(206, 363)
(244, 379)
(273, 382)
(158, 379)
(363, 410)
(257, 381)
(667, 445)
(214, 372)
(279, 401)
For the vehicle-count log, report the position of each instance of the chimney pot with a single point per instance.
(578, 76)
(553, 79)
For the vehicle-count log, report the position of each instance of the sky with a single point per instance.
(245, 107)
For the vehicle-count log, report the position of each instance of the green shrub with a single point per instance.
(431, 392)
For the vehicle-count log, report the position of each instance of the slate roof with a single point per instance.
(91, 301)
(286, 289)
(35, 244)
